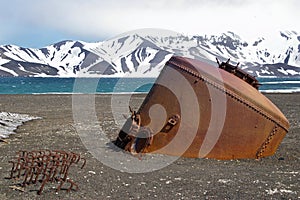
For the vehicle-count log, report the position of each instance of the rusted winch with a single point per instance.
(197, 110)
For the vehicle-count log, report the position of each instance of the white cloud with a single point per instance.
(108, 18)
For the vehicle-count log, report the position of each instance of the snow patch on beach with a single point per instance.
(10, 122)
(280, 191)
(224, 181)
(291, 172)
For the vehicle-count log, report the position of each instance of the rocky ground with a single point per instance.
(275, 177)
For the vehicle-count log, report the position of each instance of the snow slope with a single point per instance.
(137, 55)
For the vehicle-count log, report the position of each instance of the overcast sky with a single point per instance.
(37, 23)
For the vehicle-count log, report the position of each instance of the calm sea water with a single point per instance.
(37, 85)
(21, 85)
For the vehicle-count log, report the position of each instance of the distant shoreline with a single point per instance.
(138, 93)
(126, 85)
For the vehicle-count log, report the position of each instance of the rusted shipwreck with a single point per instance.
(197, 110)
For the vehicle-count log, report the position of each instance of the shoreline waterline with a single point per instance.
(28, 85)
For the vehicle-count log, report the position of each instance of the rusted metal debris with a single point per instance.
(239, 73)
(210, 113)
(139, 137)
(43, 166)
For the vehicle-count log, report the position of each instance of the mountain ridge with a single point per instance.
(142, 55)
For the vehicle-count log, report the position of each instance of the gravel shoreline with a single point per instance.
(275, 177)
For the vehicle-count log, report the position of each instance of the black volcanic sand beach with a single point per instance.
(275, 177)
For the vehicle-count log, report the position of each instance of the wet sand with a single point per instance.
(275, 177)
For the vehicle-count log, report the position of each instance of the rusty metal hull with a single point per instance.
(197, 110)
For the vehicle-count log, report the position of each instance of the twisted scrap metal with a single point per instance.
(44, 166)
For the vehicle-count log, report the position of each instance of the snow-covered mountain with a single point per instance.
(145, 55)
